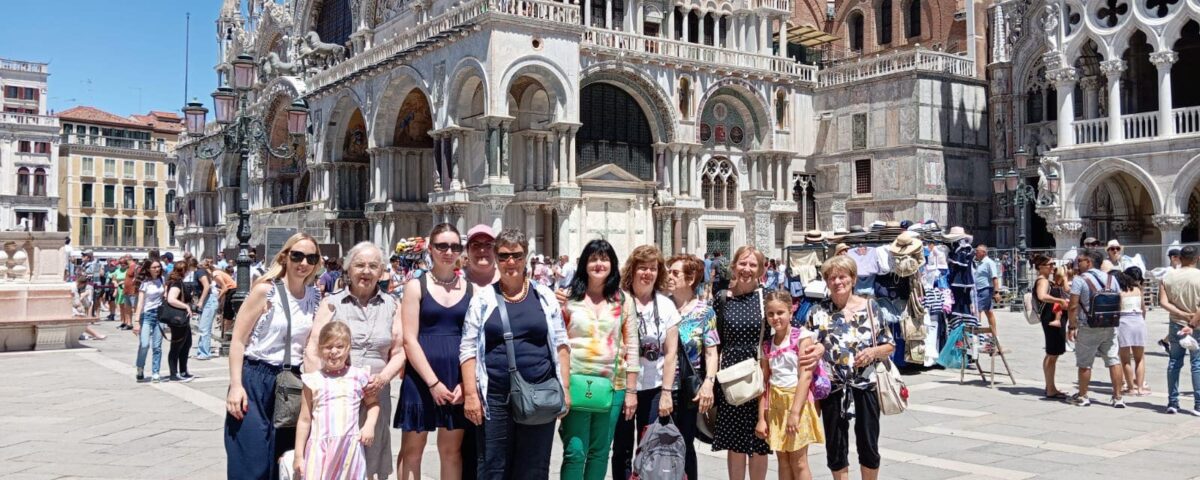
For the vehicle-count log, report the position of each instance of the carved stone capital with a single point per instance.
(1164, 59)
(1066, 227)
(1112, 68)
(1063, 77)
(1170, 222)
(565, 207)
(1089, 83)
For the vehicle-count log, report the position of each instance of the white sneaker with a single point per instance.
(1118, 402)
(1080, 401)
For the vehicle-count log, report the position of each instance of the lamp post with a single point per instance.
(1021, 195)
(243, 133)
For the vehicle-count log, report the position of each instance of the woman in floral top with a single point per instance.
(698, 343)
(603, 335)
(849, 327)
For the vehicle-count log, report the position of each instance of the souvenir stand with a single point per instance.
(410, 250)
(803, 273)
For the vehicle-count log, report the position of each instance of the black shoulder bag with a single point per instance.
(170, 315)
(289, 389)
(530, 403)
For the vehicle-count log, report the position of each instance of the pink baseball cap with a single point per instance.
(481, 229)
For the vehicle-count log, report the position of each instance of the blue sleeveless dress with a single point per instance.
(440, 333)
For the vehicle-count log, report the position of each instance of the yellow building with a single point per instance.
(117, 180)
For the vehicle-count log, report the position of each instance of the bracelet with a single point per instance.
(434, 384)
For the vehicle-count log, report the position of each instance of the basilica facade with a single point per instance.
(695, 125)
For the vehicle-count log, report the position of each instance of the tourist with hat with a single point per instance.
(1117, 260)
(987, 285)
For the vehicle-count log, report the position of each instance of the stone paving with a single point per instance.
(79, 414)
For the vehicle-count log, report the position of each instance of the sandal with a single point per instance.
(1055, 396)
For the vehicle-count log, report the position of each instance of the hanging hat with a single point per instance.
(841, 247)
(908, 265)
(905, 244)
(878, 225)
(857, 229)
(837, 235)
(814, 236)
(956, 234)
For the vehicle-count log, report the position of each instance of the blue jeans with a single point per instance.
(1175, 364)
(149, 337)
(509, 450)
(207, 314)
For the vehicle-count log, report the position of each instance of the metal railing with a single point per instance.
(922, 60)
(114, 142)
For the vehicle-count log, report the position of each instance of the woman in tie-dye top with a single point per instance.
(594, 311)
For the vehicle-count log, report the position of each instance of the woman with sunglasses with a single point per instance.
(644, 278)
(603, 333)
(259, 351)
(698, 342)
(1048, 294)
(508, 449)
(431, 396)
(150, 294)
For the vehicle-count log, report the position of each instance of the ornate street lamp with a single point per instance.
(1011, 190)
(243, 133)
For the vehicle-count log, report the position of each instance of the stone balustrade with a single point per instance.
(27, 119)
(612, 41)
(864, 68)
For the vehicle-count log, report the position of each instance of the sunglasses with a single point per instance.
(1113, 248)
(510, 256)
(446, 246)
(311, 258)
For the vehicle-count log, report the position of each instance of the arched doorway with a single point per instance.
(1119, 207)
(533, 108)
(352, 176)
(615, 131)
(285, 178)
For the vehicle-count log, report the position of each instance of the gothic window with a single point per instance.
(1033, 105)
(1160, 8)
(335, 21)
(1111, 11)
(718, 185)
(913, 26)
(22, 181)
(884, 16)
(781, 109)
(615, 131)
(855, 26)
(685, 98)
(39, 182)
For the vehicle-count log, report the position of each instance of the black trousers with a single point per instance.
(181, 345)
(837, 428)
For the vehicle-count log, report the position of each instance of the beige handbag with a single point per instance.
(743, 381)
(889, 386)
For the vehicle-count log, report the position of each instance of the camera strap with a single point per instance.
(657, 325)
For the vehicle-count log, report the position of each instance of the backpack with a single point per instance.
(661, 453)
(1104, 306)
(721, 271)
(1030, 316)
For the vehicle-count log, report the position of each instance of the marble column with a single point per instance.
(1166, 118)
(677, 232)
(700, 27)
(686, 10)
(1064, 81)
(674, 175)
(571, 160)
(1170, 228)
(457, 139)
(764, 34)
(555, 158)
(490, 172)
(527, 180)
(783, 33)
(587, 13)
(505, 150)
(539, 160)
(753, 162)
(1091, 91)
(718, 38)
(608, 21)
(668, 30)
(531, 230)
(1112, 69)
(1067, 234)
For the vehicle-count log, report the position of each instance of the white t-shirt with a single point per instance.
(152, 291)
(668, 316)
(267, 338)
(785, 365)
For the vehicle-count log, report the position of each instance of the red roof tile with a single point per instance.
(85, 113)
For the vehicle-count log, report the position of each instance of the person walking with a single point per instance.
(283, 296)
(376, 344)
(1092, 342)
(209, 292)
(1131, 333)
(181, 336)
(987, 286)
(431, 397)
(855, 338)
(1180, 297)
(740, 325)
(602, 330)
(508, 450)
(1049, 295)
(698, 343)
(147, 329)
(644, 278)
(129, 289)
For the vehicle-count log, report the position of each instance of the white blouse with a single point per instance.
(267, 337)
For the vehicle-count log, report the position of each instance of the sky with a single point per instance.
(121, 56)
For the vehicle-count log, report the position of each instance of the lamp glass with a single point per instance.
(998, 183)
(243, 72)
(1021, 159)
(1052, 182)
(194, 114)
(224, 101)
(1011, 181)
(297, 118)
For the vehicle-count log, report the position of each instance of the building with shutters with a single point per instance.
(118, 179)
(698, 126)
(28, 149)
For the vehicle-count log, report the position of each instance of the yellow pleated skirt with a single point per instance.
(810, 432)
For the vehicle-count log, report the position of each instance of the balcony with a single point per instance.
(1137, 126)
(441, 26)
(8, 118)
(114, 142)
(110, 205)
(917, 60)
(776, 5)
(19, 66)
(632, 44)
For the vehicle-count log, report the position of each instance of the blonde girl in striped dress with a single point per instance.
(329, 443)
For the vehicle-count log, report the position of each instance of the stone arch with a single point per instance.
(282, 176)
(1187, 181)
(1174, 29)
(399, 84)
(750, 101)
(204, 178)
(309, 10)
(469, 86)
(552, 78)
(648, 94)
(1120, 42)
(335, 129)
(1080, 192)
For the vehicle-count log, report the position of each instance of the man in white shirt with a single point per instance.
(564, 272)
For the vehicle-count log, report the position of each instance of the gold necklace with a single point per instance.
(453, 281)
(519, 296)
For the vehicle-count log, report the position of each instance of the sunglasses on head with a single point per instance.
(311, 258)
(447, 246)
(510, 256)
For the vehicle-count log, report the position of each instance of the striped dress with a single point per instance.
(333, 450)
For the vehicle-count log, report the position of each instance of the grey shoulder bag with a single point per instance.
(289, 389)
(530, 403)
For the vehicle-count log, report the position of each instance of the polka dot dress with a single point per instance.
(739, 325)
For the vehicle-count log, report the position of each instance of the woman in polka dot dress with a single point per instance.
(740, 326)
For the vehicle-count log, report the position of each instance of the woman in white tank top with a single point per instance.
(257, 355)
(1131, 333)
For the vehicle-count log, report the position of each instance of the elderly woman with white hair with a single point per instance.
(376, 343)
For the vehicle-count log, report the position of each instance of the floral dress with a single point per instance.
(333, 450)
(697, 330)
(843, 338)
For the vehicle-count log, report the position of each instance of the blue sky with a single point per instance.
(122, 56)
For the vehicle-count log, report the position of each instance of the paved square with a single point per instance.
(79, 414)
